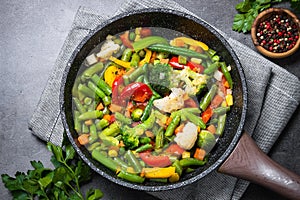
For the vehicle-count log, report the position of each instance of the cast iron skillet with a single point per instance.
(235, 154)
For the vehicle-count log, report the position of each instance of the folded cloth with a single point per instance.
(273, 96)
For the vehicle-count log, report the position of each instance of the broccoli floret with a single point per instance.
(206, 140)
(160, 78)
(130, 140)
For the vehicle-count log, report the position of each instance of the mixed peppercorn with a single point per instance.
(278, 33)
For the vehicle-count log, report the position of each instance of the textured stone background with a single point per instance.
(31, 35)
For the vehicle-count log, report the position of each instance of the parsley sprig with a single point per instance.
(61, 183)
(249, 9)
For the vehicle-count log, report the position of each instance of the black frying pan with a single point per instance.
(231, 155)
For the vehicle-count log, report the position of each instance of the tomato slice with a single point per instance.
(155, 161)
(175, 149)
(137, 91)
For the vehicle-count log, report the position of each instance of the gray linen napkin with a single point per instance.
(273, 96)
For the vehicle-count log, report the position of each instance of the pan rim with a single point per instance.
(199, 176)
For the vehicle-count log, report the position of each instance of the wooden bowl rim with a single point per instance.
(263, 15)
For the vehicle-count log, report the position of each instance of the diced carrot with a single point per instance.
(217, 100)
(179, 128)
(100, 106)
(121, 144)
(83, 139)
(153, 57)
(168, 121)
(211, 128)
(226, 84)
(206, 115)
(107, 117)
(199, 154)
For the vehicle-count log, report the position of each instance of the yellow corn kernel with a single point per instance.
(186, 154)
(112, 153)
(229, 100)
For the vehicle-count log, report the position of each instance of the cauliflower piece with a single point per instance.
(107, 49)
(193, 80)
(174, 101)
(187, 138)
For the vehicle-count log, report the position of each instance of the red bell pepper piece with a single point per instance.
(155, 161)
(137, 91)
(125, 39)
(195, 67)
(174, 63)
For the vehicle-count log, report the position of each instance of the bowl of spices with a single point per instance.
(275, 33)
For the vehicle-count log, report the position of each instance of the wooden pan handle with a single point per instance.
(249, 162)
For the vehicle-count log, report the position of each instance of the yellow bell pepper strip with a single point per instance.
(122, 63)
(147, 57)
(158, 172)
(111, 73)
(192, 42)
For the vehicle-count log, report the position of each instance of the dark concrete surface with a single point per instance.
(31, 35)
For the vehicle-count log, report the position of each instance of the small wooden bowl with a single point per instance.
(262, 17)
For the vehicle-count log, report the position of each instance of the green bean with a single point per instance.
(87, 100)
(122, 118)
(126, 54)
(96, 90)
(121, 163)
(147, 41)
(178, 167)
(211, 52)
(148, 123)
(85, 128)
(159, 139)
(126, 79)
(78, 105)
(172, 126)
(194, 119)
(89, 72)
(226, 74)
(160, 180)
(186, 162)
(106, 100)
(102, 124)
(93, 134)
(131, 36)
(145, 140)
(205, 101)
(211, 68)
(106, 161)
(131, 177)
(75, 87)
(101, 84)
(90, 115)
(112, 130)
(221, 110)
(93, 146)
(137, 114)
(148, 108)
(144, 148)
(136, 73)
(77, 124)
(140, 79)
(221, 124)
(177, 51)
(133, 161)
(86, 91)
(135, 59)
(189, 170)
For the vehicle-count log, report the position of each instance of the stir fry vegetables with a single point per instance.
(150, 108)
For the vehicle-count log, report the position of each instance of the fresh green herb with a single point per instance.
(63, 182)
(249, 9)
